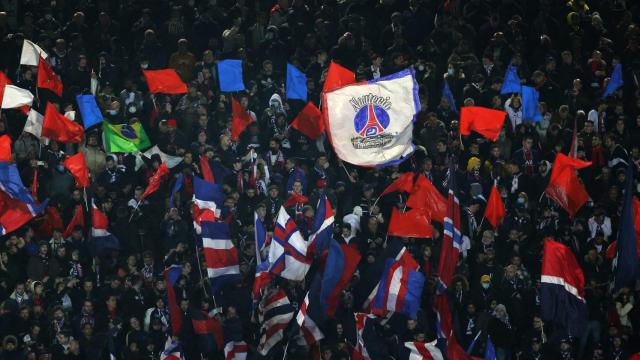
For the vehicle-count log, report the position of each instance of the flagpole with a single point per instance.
(134, 210)
(286, 347)
(86, 203)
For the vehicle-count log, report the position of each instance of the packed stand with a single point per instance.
(64, 298)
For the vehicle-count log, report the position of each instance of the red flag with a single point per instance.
(564, 186)
(413, 223)
(77, 219)
(156, 179)
(49, 222)
(309, 121)
(425, 196)
(5, 148)
(455, 351)
(4, 80)
(78, 168)
(164, 81)
(34, 184)
(13, 213)
(47, 78)
(207, 173)
(57, 127)
(404, 183)
(494, 212)
(337, 77)
(294, 199)
(241, 119)
(484, 121)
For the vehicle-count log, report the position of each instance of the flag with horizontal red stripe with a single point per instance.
(275, 314)
(220, 254)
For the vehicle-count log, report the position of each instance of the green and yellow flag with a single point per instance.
(124, 138)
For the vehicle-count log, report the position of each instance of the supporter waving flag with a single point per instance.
(288, 251)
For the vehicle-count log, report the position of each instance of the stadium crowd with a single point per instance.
(61, 300)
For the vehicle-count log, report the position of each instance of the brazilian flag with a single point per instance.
(124, 138)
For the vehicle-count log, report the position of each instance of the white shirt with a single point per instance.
(605, 227)
(593, 116)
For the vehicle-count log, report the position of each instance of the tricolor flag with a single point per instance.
(371, 123)
(310, 316)
(452, 242)
(626, 272)
(423, 351)
(220, 254)
(101, 238)
(288, 251)
(207, 197)
(562, 298)
(17, 205)
(275, 313)
(322, 229)
(400, 289)
(208, 331)
(363, 323)
(236, 350)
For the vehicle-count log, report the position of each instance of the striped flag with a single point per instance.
(275, 314)
(263, 241)
(171, 276)
(322, 228)
(236, 350)
(310, 316)
(360, 351)
(220, 254)
(207, 197)
(423, 351)
(452, 242)
(288, 251)
(172, 351)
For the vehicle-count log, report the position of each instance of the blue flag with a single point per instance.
(296, 83)
(530, 110)
(230, 75)
(89, 110)
(489, 350)
(615, 82)
(511, 82)
(176, 188)
(446, 92)
(626, 270)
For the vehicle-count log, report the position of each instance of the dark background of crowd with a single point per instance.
(57, 299)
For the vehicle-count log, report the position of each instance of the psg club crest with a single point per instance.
(370, 121)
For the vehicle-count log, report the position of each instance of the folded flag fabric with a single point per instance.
(484, 121)
(76, 220)
(31, 53)
(91, 114)
(47, 78)
(275, 313)
(564, 185)
(452, 240)
(425, 196)
(5, 148)
(295, 199)
(530, 110)
(155, 180)
(15, 97)
(33, 125)
(337, 77)
(562, 297)
(423, 351)
(125, 138)
(371, 123)
(322, 229)
(511, 82)
(57, 127)
(288, 251)
(404, 183)
(165, 81)
(207, 199)
(236, 350)
(205, 169)
(208, 331)
(494, 212)
(411, 223)
(172, 350)
(14, 212)
(101, 239)
(446, 93)
(364, 324)
(342, 263)
(310, 316)
(296, 83)
(220, 254)
(241, 119)
(77, 166)
(309, 121)
(171, 276)
(626, 271)
(230, 75)
(615, 82)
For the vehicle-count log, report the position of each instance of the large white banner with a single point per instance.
(371, 123)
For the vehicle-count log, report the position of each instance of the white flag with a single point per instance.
(371, 124)
(16, 97)
(34, 123)
(31, 53)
